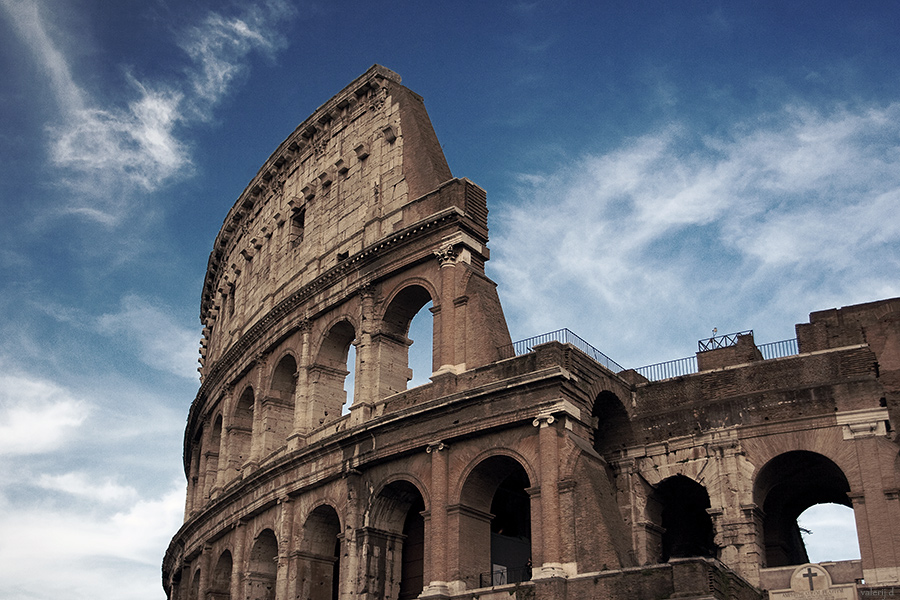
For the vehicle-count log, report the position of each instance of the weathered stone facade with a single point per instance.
(543, 475)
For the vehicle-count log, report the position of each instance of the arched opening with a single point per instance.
(197, 471)
(495, 528)
(319, 559)
(278, 406)
(613, 429)
(241, 433)
(195, 586)
(829, 532)
(220, 584)
(786, 486)
(263, 567)
(328, 374)
(350, 380)
(394, 343)
(395, 543)
(687, 529)
(421, 349)
(212, 457)
(412, 566)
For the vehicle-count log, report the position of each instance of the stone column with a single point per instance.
(436, 571)
(285, 543)
(239, 568)
(350, 571)
(204, 562)
(261, 388)
(550, 517)
(301, 393)
(227, 469)
(872, 504)
(365, 386)
(445, 341)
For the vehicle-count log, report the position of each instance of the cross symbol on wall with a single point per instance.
(809, 575)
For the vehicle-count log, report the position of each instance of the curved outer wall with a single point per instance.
(542, 475)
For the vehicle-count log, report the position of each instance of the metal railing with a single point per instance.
(688, 365)
(657, 371)
(670, 368)
(504, 576)
(563, 336)
(779, 349)
(721, 341)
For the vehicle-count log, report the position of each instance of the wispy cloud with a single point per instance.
(29, 22)
(154, 335)
(84, 485)
(679, 234)
(219, 46)
(109, 154)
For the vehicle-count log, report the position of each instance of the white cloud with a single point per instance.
(109, 154)
(154, 335)
(832, 533)
(83, 485)
(99, 554)
(218, 47)
(671, 235)
(26, 17)
(136, 146)
(36, 416)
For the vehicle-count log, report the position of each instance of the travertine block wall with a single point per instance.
(547, 468)
(336, 185)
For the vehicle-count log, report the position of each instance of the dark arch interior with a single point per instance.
(788, 485)
(396, 327)
(511, 527)
(499, 486)
(263, 566)
(284, 379)
(688, 528)
(399, 509)
(614, 430)
(404, 307)
(412, 566)
(220, 586)
(319, 566)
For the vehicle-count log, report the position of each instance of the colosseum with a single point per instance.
(533, 470)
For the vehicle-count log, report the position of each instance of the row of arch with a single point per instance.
(387, 555)
(300, 394)
(783, 489)
(494, 522)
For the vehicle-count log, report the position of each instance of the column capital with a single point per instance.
(436, 447)
(446, 254)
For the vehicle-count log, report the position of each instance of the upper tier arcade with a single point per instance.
(340, 183)
(350, 228)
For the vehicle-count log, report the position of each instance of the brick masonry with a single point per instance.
(543, 475)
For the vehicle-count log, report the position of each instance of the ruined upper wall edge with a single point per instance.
(294, 147)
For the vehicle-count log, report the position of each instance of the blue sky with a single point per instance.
(654, 170)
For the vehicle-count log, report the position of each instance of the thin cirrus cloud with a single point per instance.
(219, 46)
(792, 209)
(109, 153)
(150, 331)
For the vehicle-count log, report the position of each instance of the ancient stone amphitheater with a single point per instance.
(533, 470)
